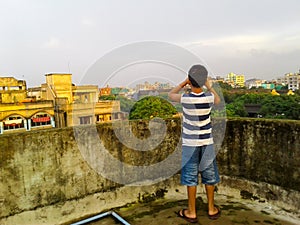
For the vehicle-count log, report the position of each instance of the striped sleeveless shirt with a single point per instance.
(197, 126)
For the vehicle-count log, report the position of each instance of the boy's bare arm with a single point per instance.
(209, 87)
(174, 93)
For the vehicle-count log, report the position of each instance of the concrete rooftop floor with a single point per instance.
(235, 211)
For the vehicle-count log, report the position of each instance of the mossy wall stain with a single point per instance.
(263, 151)
(44, 167)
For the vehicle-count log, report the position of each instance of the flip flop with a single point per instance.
(216, 215)
(181, 214)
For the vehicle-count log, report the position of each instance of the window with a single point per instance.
(100, 118)
(13, 122)
(85, 119)
(41, 119)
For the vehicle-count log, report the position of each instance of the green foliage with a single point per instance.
(107, 97)
(164, 96)
(253, 98)
(225, 86)
(297, 92)
(125, 103)
(150, 107)
(178, 107)
(230, 97)
(280, 107)
(236, 109)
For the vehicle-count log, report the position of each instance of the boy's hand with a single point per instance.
(208, 84)
(185, 82)
(174, 93)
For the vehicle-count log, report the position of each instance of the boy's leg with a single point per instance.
(189, 178)
(210, 191)
(191, 191)
(210, 176)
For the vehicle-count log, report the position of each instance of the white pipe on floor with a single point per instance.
(97, 217)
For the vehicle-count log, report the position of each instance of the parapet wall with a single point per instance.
(48, 167)
(262, 150)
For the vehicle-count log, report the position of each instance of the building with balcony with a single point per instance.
(76, 105)
(106, 91)
(293, 80)
(12, 90)
(56, 103)
(18, 112)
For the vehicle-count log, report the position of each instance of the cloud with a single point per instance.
(266, 43)
(263, 55)
(87, 22)
(52, 42)
(244, 41)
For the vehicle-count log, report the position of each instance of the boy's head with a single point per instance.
(197, 75)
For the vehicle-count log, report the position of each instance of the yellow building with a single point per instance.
(58, 85)
(235, 80)
(75, 105)
(17, 113)
(57, 103)
(12, 90)
(240, 80)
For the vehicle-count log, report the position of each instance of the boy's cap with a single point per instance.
(198, 73)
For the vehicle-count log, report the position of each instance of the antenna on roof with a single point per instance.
(69, 66)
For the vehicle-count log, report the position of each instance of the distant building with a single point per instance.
(148, 86)
(34, 93)
(145, 86)
(76, 105)
(18, 112)
(143, 93)
(57, 103)
(119, 91)
(235, 80)
(253, 110)
(268, 85)
(253, 83)
(218, 79)
(12, 90)
(106, 91)
(293, 80)
(280, 81)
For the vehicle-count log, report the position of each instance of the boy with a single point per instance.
(197, 142)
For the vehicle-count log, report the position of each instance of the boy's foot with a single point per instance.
(182, 215)
(216, 215)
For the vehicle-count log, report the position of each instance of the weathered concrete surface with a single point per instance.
(262, 150)
(266, 152)
(44, 177)
(235, 211)
(156, 204)
(46, 167)
(69, 211)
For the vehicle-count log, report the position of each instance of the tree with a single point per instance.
(125, 103)
(282, 107)
(150, 107)
(107, 97)
(224, 85)
(236, 109)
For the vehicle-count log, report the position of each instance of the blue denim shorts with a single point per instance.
(200, 159)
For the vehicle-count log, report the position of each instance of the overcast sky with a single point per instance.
(257, 38)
